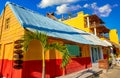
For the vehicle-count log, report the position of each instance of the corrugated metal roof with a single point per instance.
(33, 20)
(113, 44)
(93, 38)
(107, 42)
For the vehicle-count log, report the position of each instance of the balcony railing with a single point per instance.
(103, 36)
(96, 25)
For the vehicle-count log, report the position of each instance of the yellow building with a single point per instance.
(88, 23)
(15, 20)
(93, 24)
(114, 36)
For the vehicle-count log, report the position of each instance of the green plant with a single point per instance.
(43, 38)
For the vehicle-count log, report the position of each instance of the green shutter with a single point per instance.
(73, 50)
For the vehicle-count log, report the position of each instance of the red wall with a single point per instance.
(7, 70)
(33, 69)
(105, 56)
(77, 64)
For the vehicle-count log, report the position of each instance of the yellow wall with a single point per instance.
(85, 50)
(8, 36)
(55, 54)
(77, 22)
(8, 49)
(16, 31)
(35, 50)
(0, 24)
(114, 36)
(35, 53)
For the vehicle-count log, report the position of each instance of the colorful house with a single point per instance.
(93, 24)
(15, 20)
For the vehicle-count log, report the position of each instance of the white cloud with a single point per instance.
(62, 9)
(86, 5)
(115, 5)
(65, 8)
(102, 11)
(94, 5)
(47, 3)
(73, 7)
(105, 10)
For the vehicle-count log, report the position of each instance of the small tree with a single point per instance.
(43, 38)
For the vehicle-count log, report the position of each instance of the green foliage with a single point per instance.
(61, 48)
(42, 37)
(29, 36)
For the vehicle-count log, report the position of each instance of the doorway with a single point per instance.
(96, 54)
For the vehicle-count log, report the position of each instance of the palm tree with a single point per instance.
(43, 38)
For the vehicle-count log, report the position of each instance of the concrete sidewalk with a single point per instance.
(87, 73)
(111, 73)
(95, 73)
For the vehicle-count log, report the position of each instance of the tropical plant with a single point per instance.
(43, 38)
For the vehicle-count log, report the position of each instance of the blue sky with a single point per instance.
(107, 10)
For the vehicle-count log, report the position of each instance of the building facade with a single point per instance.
(16, 20)
(93, 24)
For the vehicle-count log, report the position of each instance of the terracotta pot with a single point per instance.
(19, 41)
(19, 56)
(18, 51)
(17, 66)
(18, 62)
(18, 46)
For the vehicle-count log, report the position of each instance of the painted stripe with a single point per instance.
(7, 70)
(77, 64)
(33, 68)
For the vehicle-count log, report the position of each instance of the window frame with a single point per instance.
(7, 23)
(80, 51)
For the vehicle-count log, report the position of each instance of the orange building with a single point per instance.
(15, 20)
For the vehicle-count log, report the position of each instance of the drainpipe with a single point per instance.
(88, 23)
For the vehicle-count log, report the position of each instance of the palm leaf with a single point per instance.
(42, 37)
(61, 48)
(29, 36)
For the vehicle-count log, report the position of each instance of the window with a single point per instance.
(74, 50)
(85, 24)
(96, 54)
(7, 23)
